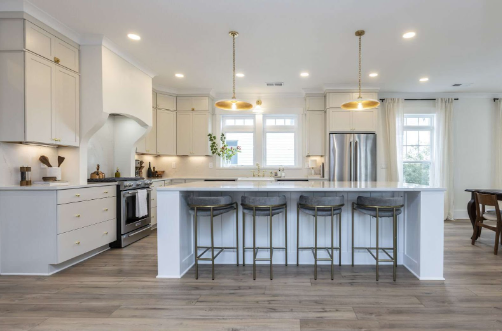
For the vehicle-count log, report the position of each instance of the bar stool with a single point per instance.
(212, 206)
(320, 206)
(263, 206)
(379, 207)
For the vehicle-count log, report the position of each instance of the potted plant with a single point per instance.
(225, 152)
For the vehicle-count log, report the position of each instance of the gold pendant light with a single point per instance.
(360, 103)
(233, 104)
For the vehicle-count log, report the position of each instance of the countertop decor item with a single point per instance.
(312, 165)
(25, 176)
(97, 174)
(225, 152)
(45, 160)
(360, 103)
(117, 173)
(233, 104)
(60, 160)
(149, 171)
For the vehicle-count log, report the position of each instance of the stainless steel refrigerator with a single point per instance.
(352, 157)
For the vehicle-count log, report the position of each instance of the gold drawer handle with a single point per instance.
(77, 195)
(56, 139)
(57, 60)
(153, 199)
(153, 216)
(78, 215)
(106, 209)
(193, 109)
(106, 192)
(106, 232)
(77, 242)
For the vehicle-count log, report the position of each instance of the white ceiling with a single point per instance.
(458, 41)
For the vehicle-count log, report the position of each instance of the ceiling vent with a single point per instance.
(275, 84)
(457, 85)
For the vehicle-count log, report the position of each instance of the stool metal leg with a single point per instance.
(394, 247)
(212, 245)
(332, 243)
(315, 245)
(377, 246)
(243, 239)
(339, 239)
(352, 234)
(286, 233)
(271, 249)
(237, 232)
(297, 234)
(254, 243)
(196, 249)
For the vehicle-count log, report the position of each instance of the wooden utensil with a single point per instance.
(60, 160)
(45, 160)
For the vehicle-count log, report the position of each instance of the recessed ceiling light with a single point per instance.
(179, 75)
(424, 79)
(304, 74)
(373, 74)
(239, 74)
(408, 35)
(133, 36)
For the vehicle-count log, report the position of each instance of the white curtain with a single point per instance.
(443, 152)
(498, 146)
(394, 121)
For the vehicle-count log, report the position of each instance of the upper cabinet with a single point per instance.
(43, 43)
(192, 131)
(341, 120)
(166, 101)
(193, 103)
(315, 133)
(151, 136)
(335, 100)
(166, 132)
(314, 103)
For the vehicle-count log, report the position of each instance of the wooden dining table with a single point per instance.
(471, 205)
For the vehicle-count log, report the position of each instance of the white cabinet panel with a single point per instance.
(364, 120)
(151, 136)
(66, 107)
(154, 217)
(352, 120)
(39, 41)
(40, 84)
(154, 99)
(201, 126)
(165, 101)
(335, 100)
(315, 133)
(193, 103)
(184, 103)
(201, 103)
(184, 133)
(340, 120)
(65, 54)
(85, 193)
(166, 132)
(315, 103)
(72, 216)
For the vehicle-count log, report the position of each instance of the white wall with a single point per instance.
(100, 149)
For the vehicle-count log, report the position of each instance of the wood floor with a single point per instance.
(117, 290)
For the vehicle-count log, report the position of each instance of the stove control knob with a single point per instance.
(128, 185)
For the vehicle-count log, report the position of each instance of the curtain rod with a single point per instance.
(495, 99)
(419, 99)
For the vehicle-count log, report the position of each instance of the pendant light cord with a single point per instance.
(233, 68)
(360, 67)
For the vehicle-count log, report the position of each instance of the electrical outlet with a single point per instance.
(173, 165)
(210, 165)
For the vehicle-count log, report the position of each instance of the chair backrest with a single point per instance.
(486, 200)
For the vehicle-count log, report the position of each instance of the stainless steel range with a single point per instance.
(133, 222)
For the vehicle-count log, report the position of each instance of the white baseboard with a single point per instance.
(460, 214)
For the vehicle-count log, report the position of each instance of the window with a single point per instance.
(239, 131)
(418, 134)
(280, 140)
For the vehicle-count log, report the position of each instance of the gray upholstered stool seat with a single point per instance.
(269, 207)
(379, 207)
(212, 207)
(320, 207)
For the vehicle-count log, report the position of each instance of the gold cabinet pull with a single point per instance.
(106, 192)
(77, 195)
(78, 215)
(57, 60)
(106, 209)
(193, 109)
(106, 232)
(77, 242)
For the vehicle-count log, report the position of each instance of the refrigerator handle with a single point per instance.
(350, 161)
(355, 161)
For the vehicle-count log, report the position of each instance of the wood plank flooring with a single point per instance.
(117, 290)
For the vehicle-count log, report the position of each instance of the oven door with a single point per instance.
(129, 220)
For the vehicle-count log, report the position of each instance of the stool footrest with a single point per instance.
(379, 260)
(266, 247)
(322, 258)
(208, 258)
(318, 247)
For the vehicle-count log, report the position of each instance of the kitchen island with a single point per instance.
(420, 226)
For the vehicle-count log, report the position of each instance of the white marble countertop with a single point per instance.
(298, 186)
(51, 188)
(231, 178)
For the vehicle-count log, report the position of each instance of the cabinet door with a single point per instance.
(166, 132)
(315, 103)
(335, 100)
(38, 40)
(40, 84)
(184, 134)
(141, 146)
(154, 99)
(184, 103)
(200, 103)
(66, 107)
(165, 101)
(201, 126)
(151, 137)
(364, 120)
(315, 133)
(66, 53)
(340, 120)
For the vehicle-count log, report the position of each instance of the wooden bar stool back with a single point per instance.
(483, 200)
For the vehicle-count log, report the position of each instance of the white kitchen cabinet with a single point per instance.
(154, 99)
(153, 202)
(315, 133)
(192, 129)
(66, 123)
(335, 100)
(193, 103)
(141, 146)
(314, 103)
(166, 101)
(166, 132)
(151, 136)
(341, 120)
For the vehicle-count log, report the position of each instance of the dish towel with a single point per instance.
(141, 203)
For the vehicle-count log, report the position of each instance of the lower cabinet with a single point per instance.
(153, 201)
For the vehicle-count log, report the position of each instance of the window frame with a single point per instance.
(224, 128)
(282, 129)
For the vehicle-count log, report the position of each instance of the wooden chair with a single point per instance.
(492, 215)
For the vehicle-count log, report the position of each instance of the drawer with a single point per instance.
(86, 193)
(66, 53)
(78, 242)
(154, 216)
(38, 40)
(153, 198)
(73, 216)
